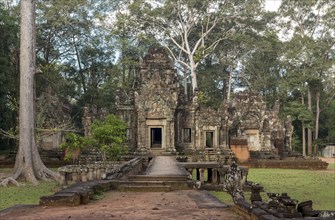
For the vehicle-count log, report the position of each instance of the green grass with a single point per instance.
(318, 186)
(331, 166)
(26, 194)
(224, 197)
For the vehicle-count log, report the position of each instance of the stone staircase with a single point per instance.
(163, 174)
(153, 183)
(160, 152)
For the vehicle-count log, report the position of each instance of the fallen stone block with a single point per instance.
(61, 199)
(257, 212)
(86, 194)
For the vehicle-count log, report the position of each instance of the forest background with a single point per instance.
(87, 50)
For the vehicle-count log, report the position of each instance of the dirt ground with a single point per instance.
(130, 205)
(328, 160)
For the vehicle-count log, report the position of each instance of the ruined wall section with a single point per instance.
(209, 128)
(262, 127)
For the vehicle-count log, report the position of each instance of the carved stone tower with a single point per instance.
(156, 102)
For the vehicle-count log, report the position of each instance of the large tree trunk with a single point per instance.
(303, 130)
(230, 82)
(27, 74)
(317, 117)
(193, 67)
(28, 162)
(185, 83)
(309, 131)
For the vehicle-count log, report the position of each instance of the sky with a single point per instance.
(272, 5)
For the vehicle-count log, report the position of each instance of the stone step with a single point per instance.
(61, 199)
(158, 188)
(158, 178)
(175, 185)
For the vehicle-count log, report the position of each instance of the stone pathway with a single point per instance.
(165, 165)
(183, 205)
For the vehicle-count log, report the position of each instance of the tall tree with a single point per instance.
(308, 26)
(28, 162)
(75, 51)
(191, 30)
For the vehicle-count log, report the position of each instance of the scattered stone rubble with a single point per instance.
(279, 206)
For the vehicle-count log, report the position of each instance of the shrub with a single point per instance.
(109, 136)
(73, 146)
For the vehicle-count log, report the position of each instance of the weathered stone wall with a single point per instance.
(308, 164)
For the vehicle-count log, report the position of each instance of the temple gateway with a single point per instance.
(161, 120)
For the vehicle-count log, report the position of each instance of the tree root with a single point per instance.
(47, 175)
(7, 180)
(43, 174)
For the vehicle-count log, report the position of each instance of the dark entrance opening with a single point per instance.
(156, 137)
(209, 139)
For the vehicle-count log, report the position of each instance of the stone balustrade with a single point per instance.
(71, 174)
(216, 172)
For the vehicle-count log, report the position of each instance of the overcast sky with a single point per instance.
(272, 5)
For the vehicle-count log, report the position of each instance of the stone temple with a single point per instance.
(161, 120)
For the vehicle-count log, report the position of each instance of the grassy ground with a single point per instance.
(27, 194)
(318, 186)
(331, 166)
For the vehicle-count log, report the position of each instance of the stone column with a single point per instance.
(84, 176)
(62, 178)
(103, 173)
(215, 176)
(190, 170)
(98, 177)
(94, 173)
(90, 173)
(202, 175)
(75, 177)
(222, 177)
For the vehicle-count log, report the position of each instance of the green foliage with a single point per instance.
(74, 143)
(8, 70)
(299, 112)
(328, 129)
(109, 136)
(74, 51)
(203, 98)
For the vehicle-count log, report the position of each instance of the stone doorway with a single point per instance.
(156, 137)
(209, 139)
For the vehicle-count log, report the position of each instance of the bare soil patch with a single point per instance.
(328, 159)
(129, 205)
